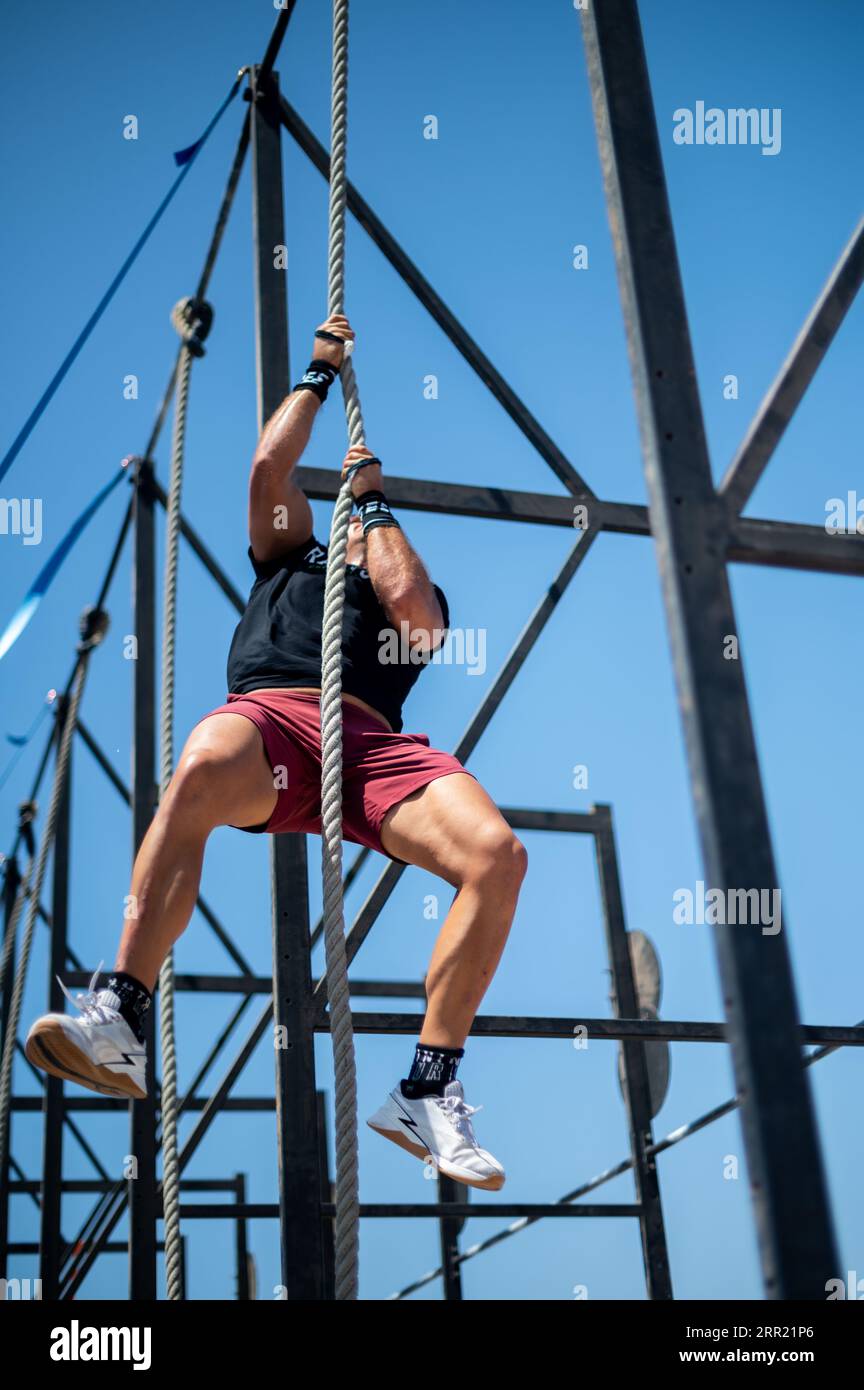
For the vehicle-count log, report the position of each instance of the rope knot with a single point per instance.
(93, 625)
(193, 319)
(27, 813)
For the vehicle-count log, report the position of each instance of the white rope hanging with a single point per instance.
(192, 321)
(341, 1030)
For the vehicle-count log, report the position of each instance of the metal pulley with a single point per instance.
(193, 319)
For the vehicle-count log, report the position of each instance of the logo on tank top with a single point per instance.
(316, 559)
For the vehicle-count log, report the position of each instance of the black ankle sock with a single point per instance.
(135, 999)
(431, 1070)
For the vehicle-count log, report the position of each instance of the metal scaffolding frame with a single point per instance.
(698, 530)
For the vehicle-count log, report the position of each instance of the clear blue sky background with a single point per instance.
(490, 212)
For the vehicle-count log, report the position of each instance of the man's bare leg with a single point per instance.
(223, 778)
(452, 828)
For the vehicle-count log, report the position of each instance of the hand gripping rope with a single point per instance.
(346, 1230)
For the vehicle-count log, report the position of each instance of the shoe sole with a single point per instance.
(48, 1048)
(492, 1184)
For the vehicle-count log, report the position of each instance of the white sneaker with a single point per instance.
(98, 1051)
(439, 1127)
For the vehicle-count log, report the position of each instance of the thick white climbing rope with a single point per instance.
(184, 318)
(341, 1030)
(9, 939)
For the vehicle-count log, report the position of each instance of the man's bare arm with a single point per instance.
(399, 577)
(279, 513)
(404, 588)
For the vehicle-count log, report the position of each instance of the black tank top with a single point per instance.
(277, 642)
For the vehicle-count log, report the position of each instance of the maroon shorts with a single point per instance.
(379, 769)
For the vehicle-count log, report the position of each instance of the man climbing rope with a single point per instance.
(254, 763)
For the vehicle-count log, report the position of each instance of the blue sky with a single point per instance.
(490, 212)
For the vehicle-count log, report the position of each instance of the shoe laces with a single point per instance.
(88, 1003)
(459, 1114)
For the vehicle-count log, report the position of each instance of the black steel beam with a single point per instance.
(222, 218)
(50, 1239)
(612, 1029)
(637, 1094)
(142, 1113)
(789, 545)
(275, 43)
(213, 1104)
(574, 822)
(241, 1243)
(268, 231)
(799, 369)
(449, 1193)
(110, 772)
(302, 1243)
(107, 1184)
(327, 1194)
(514, 1209)
(457, 499)
(443, 316)
(11, 885)
(790, 1199)
(515, 1026)
(257, 1211)
(111, 1247)
(750, 540)
(262, 984)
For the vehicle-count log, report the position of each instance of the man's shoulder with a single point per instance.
(309, 554)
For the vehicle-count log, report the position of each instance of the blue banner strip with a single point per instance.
(20, 741)
(44, 578)
(185, 158)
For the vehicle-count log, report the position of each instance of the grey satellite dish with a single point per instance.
(646, 969)
(649, 987)
(658, 1062)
